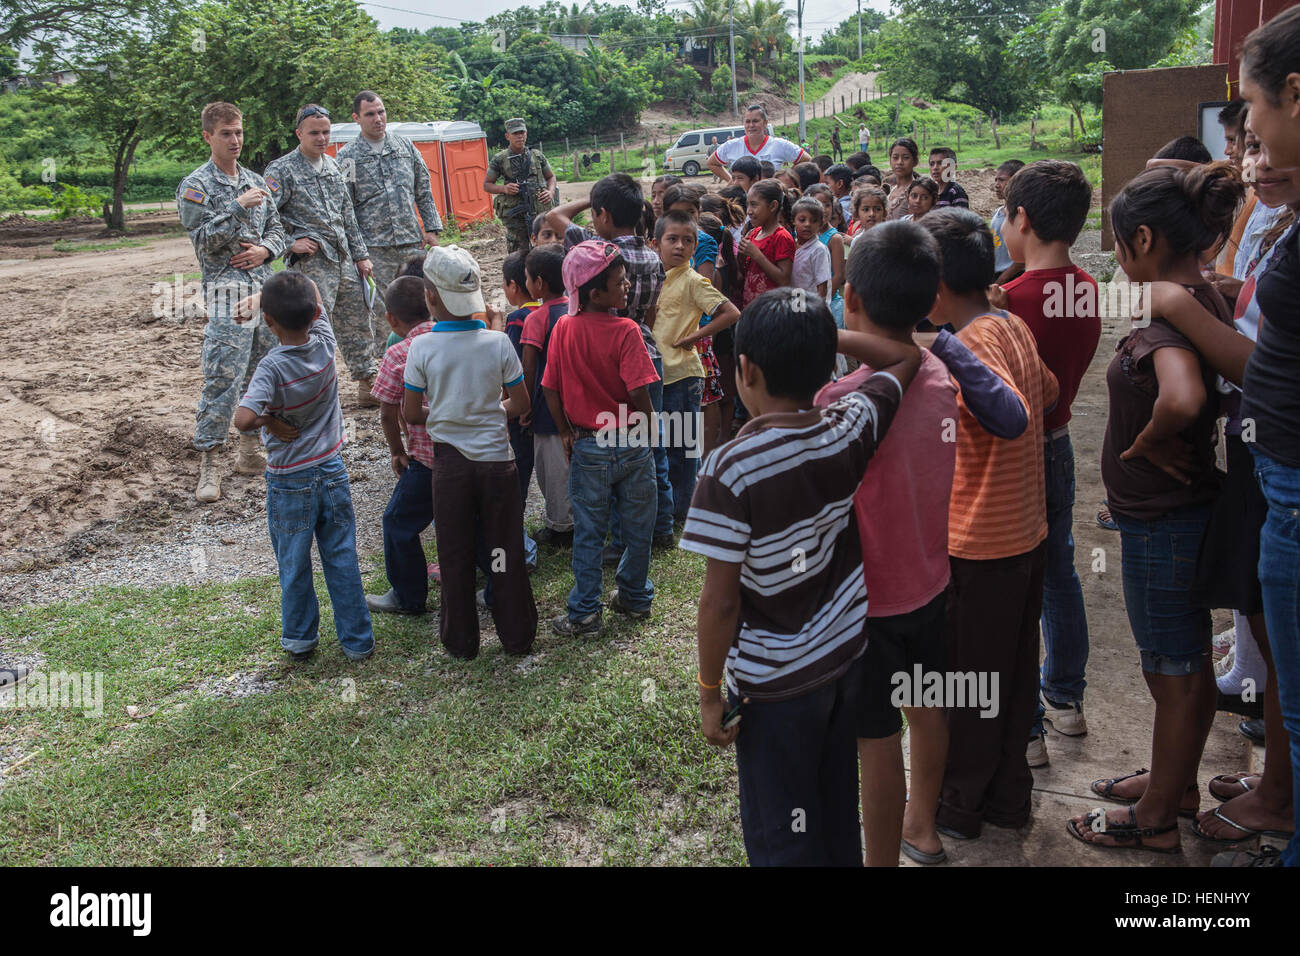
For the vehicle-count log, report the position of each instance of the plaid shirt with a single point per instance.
(645, 275)
(390, 387)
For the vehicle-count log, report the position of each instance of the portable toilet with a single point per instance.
(455, 153)
(464, 165)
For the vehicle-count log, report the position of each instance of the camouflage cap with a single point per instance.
(516, 125)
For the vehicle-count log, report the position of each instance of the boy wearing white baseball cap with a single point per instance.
(461, 368)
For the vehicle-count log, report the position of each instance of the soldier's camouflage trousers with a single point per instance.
(341, 292)
(517, 235)
(230, 354)
(386, 260)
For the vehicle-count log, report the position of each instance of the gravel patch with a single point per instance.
(238, 685)
(226, 551)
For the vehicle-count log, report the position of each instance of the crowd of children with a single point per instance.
(744, 366)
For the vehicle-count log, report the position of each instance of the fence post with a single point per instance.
(959, 135)
(622, 144)
(841, 102)
(566, 144)
(1071, 126)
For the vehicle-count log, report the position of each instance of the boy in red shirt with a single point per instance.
(597, 370)
(1047, 203)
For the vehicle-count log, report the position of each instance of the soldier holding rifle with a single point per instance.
(529, 186)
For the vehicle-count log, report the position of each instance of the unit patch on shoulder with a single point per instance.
(195, 195)
(272, 183)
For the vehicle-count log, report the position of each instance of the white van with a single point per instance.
(690, 154)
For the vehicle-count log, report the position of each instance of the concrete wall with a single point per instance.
(1141, 111)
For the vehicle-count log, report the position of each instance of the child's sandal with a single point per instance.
(1127, 836)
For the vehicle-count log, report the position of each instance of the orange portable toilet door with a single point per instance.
(433, 159)
(466, 163)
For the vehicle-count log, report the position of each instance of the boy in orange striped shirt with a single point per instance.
(997, 531)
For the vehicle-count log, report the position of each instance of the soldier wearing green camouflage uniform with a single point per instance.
(236, 232)
(326, 245)
(529, 186)
(388, 180)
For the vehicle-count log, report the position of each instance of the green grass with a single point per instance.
(73, 245)
(591, 753)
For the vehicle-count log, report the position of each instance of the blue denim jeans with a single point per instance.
(601, 479)
(317, 503)
(1172, 631)
(684, 437)
(1279, 575)
(1064, 621)
(664, 488)
(409, 512)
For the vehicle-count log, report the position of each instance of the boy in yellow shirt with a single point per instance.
(686, 298)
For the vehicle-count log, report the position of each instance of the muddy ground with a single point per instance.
(98, 385)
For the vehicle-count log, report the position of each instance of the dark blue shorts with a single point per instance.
(1172, 632)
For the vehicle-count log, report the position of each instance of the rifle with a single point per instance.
(521, 169)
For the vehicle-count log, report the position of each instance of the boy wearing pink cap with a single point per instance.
(597, 370)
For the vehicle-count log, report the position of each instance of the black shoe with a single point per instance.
(616, 604)
(1267, 856)
(1233, 704)
(1252, 730)
(388, 604)
(299, 656)
(663, 542)
(11, 674)
(556, 539)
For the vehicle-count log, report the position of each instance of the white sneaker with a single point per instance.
(209, 488)
(1223, 666)
(1036, 752)
(1066, 720)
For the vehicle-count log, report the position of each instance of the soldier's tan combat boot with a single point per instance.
(364, 398)
(209, 489)
(249, 459)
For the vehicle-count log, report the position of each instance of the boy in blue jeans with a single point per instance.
(293, 397)
(597, 373)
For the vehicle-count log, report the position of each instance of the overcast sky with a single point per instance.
(819, 15)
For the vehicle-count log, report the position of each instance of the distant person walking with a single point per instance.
(837, 151)
(864, 138)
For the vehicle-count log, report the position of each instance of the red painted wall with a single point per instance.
(1233, 21)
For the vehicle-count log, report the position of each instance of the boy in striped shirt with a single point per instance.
(784, 602)
(294, 397)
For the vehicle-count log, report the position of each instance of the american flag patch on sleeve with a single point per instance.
(195, 195)
(272, 184)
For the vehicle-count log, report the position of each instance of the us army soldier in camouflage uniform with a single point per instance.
(388, 180)
(325, 243)
(236, 233)
(525, 171)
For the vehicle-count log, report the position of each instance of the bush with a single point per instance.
(69, 201)
(682, 83)
(156, 181)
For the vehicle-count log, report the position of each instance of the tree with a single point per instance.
(45, 24)
(1069, 47)
(764, 27)
(843, 40)
(957, 49)
(269, 57)
(111, 97)
(707, 17)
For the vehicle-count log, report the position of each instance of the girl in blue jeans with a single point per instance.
(1158, 468)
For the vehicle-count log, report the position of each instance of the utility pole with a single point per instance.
(731, 27)
(803, 127)
(859, 29)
